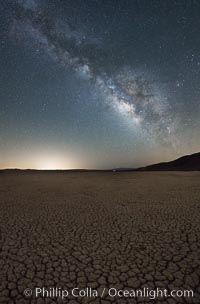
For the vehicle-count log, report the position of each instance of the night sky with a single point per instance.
(98, 83)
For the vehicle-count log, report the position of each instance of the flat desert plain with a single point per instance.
(122, 230)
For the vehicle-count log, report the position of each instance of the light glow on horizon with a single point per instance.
(42, 160)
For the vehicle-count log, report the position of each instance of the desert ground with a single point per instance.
(125, 230)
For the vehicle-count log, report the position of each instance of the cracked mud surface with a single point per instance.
(122, 230)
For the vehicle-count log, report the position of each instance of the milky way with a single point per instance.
(127, 92)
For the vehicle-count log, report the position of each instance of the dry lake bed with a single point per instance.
(97, 234)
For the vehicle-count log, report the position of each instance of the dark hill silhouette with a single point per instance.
(184, 163)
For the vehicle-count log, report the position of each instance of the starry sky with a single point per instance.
(98, 83)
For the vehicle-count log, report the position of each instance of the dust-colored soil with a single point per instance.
(122, 230)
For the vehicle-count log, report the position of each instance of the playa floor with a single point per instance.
(102, 231)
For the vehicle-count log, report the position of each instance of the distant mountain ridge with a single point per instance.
(185, 163)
